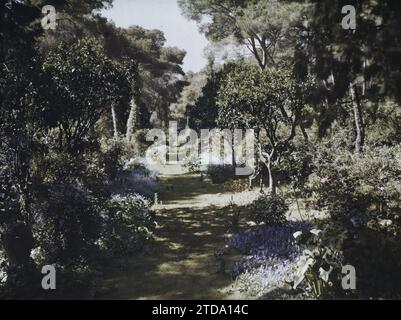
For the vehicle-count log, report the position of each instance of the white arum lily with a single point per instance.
(316, 232)
(324, 275)
(297, 234)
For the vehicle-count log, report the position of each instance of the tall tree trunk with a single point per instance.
(114, 116)
(358, 118)
(268, 164)
(258, 157)
(131, 120)
(272, 183)
(234, 163)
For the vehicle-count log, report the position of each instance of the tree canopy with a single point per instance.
(266, 28)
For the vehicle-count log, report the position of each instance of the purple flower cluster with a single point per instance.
(262, 280)
(262, 246)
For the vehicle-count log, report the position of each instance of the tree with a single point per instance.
(159, 69)
(22, 108)
(158, 72)
(204, 112)
(354, 66)
(272, 102)
(189, 94)
(83, 84)
(266, 28)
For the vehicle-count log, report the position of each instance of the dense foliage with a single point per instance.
(129, 224)
(324, 103)
(77, 102)
(269, 209)
(68, 96)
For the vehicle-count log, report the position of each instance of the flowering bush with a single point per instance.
(269, 257)
(259, 244)
(138, 165)
(272, 275)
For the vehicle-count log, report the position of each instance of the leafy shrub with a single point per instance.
(128, 224)
(220, 173)
(357, 187)
(137, 167)
(112, 152)
(10, 197)
(57, 166)
(296, 165)
(269, 209)
(3, 267)
(361, 193)
(385, 128)
(374, 254)
(101, 161)
(67, 223)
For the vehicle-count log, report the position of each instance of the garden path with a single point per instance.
(182, 263)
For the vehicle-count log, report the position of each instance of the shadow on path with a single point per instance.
(181, 264)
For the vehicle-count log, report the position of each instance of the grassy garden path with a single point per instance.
(182, 263)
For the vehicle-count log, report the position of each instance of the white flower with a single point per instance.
(297, 234)
(324, 275)
(316, 232)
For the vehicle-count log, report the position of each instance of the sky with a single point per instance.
(164, 15)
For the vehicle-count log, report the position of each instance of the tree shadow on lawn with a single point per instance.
(181, 263)
(189, 258)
